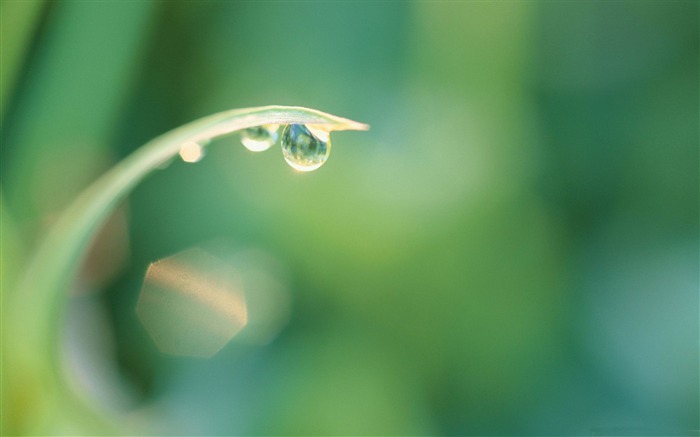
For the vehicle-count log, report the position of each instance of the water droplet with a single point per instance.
(305, 147)
(259, 138)
(191, 151)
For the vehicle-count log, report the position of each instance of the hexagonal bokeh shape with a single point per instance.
(192, 304)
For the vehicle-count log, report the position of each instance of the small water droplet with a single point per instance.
(191, 151)
(259, 138)
(305, 147)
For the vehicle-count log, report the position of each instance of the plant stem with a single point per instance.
(40, 299)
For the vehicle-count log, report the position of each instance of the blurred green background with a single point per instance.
(511, 249)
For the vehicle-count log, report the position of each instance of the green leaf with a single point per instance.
(39, 300)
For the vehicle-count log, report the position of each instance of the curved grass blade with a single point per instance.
(39, 299)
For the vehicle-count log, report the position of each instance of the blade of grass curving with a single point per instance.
(41, 294)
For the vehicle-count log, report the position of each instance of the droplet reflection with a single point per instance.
(191, 304)
(305, 147)
(259, 138)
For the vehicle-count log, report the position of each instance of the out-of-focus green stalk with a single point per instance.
(73, 91)
(18, 19)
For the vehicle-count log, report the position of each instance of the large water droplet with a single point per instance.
(304, 147)
(259, 138)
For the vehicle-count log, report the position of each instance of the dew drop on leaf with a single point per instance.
(259, 138)
(305, 148)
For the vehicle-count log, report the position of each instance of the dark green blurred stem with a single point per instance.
(19, 19)
(42, 293)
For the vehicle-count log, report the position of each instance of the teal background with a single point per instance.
(511, 249)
